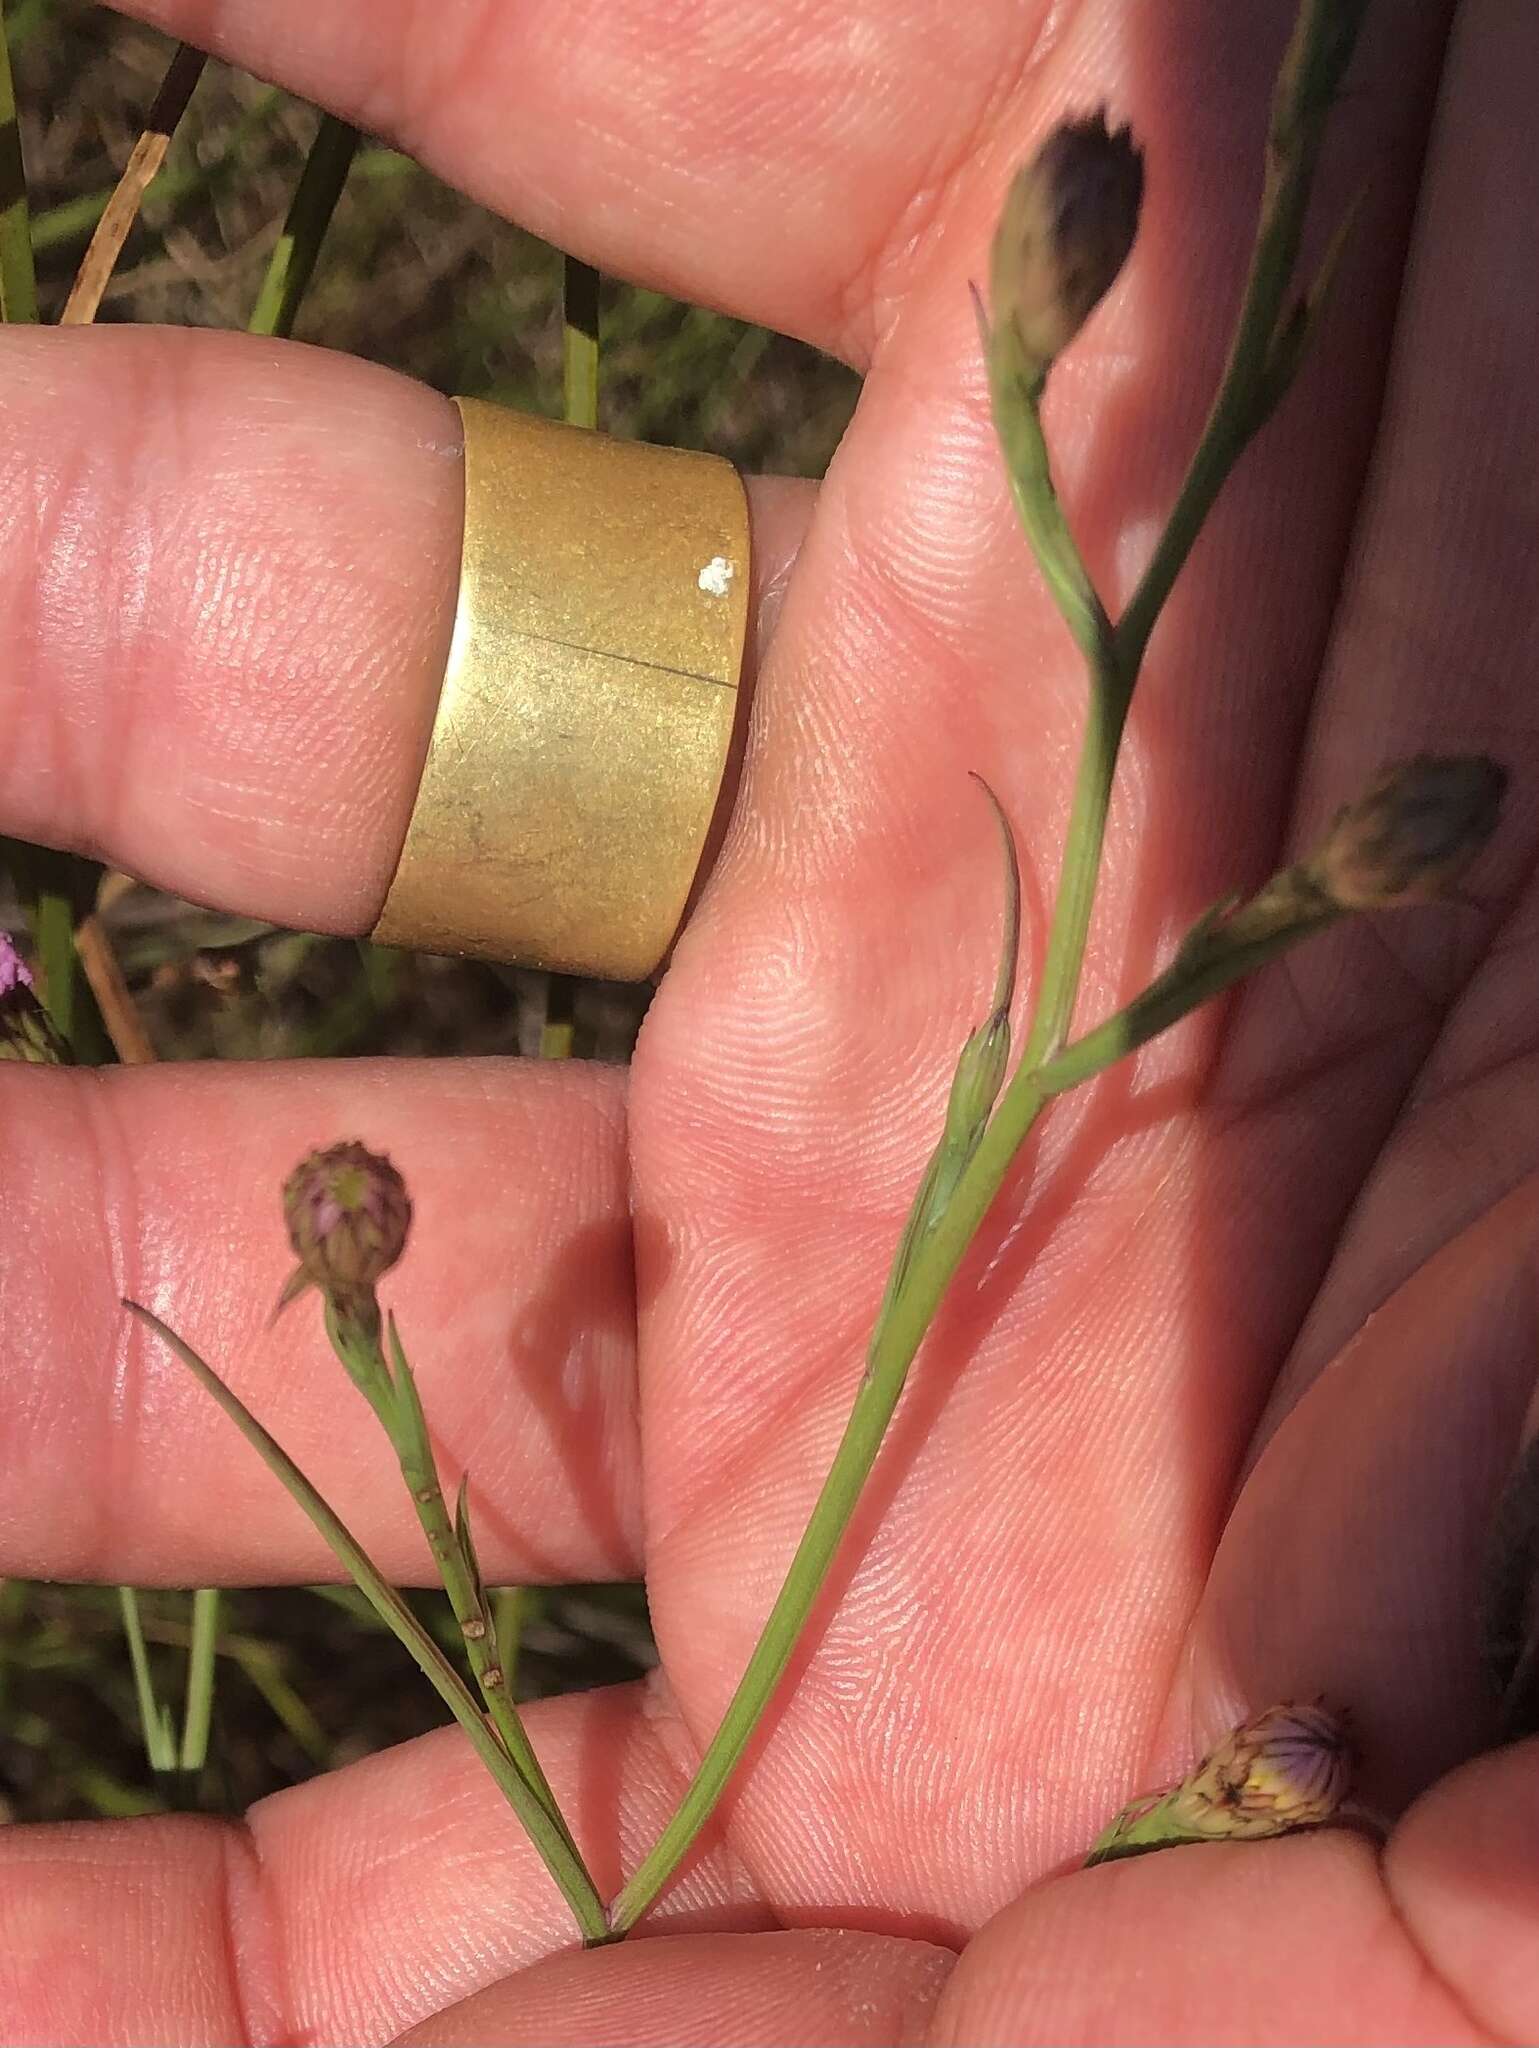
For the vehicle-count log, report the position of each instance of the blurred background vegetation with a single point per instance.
(412, 276)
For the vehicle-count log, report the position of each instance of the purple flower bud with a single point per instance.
(1068, 222)
(347, 1212)
(1412, 834)
(1290, 1767)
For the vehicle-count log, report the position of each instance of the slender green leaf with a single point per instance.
(309, 216)
(542, 1830)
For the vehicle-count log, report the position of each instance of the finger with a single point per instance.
(514, 1297)
(227, 580)
(347, 1909)
(1271, 1942)
(1460, 1870)
(780, 168)
(1352, 1563)
(1433, 651)
(717, 1990)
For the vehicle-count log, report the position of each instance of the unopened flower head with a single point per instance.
(1290, 1767)
(1068, 223)
(348, 1212)
(1412, 834)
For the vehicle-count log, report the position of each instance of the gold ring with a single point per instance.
(589, 704)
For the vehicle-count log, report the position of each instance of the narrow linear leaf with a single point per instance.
(393, 1610)
(1296, 333)
(1010, 939)
(467, 1543)
(979, 1075)
(304, 229)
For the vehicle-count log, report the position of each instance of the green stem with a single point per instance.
(1319, 51)
(201, 1650)
(575, 1885)
(407, 1428)
(1017, 399)
(53, 935)
(1111, 694)
(315, 198)
(154, 1719)
(1317, 56)
(18, 280)
(934, 1260)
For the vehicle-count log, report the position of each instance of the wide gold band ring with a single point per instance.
(589, 704)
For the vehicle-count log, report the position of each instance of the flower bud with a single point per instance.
(1411, 836)
(27, 1031)
(348, 1212)
(1290, 1767)
(1067, 225)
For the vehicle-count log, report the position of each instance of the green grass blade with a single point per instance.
(18, 280)
(309, 216)
(154, 1718)
(199, 1712)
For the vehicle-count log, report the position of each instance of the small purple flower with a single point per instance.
(14, 971)
(27, 1032)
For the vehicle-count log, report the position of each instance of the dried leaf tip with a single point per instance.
(348, 1214)
(1412, 834)
(1068, 223)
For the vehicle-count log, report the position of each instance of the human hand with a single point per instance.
(228, 569)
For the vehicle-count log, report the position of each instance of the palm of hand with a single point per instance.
(1053, 1593)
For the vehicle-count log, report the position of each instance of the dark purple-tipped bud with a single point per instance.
(1290, 1767)
(1413, 833)
(348, 1213)
(1068, 223)
(26, 1030)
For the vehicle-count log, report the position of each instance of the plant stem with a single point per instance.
(575, 1885)
(1111, 694)
(1319, 51)
(1317, 56)
(53, 934)
(407, 1428)
(304, 229)
(18, 281)
(154, 1719)
(201, 1649)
